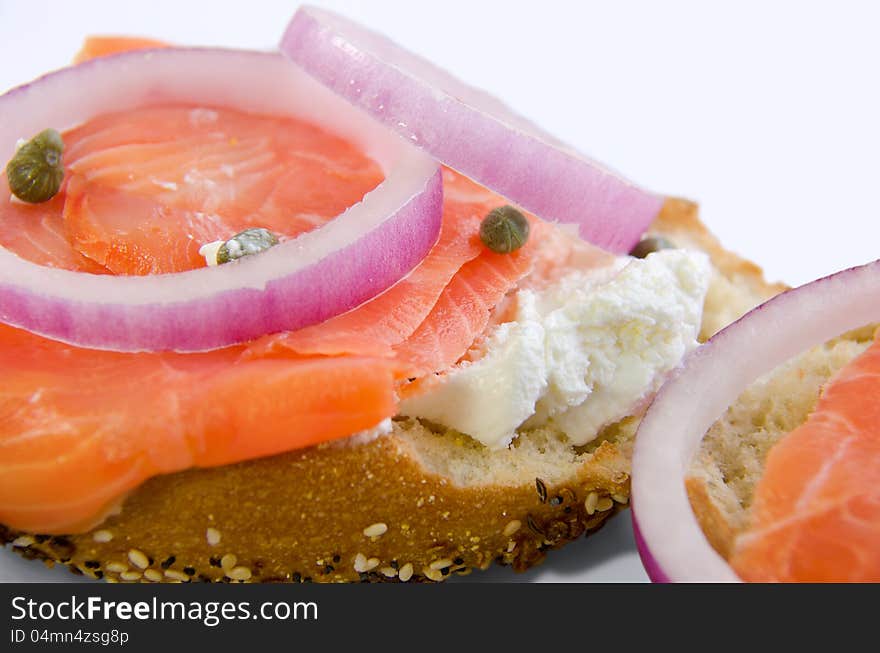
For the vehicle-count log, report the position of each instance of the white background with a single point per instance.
(764, 112)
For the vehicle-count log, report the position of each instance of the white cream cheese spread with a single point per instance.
(578, 355)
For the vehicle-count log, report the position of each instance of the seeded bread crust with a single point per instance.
(419, 504)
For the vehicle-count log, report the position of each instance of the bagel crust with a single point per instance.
(336, 514)
(376, 510)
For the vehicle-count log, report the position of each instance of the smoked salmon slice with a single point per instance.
(80, 428)
(462, 312)
(389, 319)
(429, 319)
(36, 232)
(145, 189)
(816, 512)
(196, 175)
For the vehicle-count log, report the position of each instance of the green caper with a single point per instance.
(246, 243)
(650, 245)
(504, 230)
(36, 171)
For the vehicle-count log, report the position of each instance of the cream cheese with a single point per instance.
(578, 355)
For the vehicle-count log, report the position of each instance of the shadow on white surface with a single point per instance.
(607, 556)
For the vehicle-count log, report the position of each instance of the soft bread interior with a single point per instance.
(536, 453)
(731, 459)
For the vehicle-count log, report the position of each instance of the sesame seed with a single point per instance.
(590, 502)
(102, 536)
(139, 559)
(442, 563)
(213, 536)
(363, 564)
(376, 530)
(239, 573)
(432, 574)
(512, 527)
(604, 504)
(228, 561)
(116, 567)
(23, 541)
(388, 572)
(189, 571)
(406, 572)
(173, 574)
(511, 546)
(153, 575)
(620, 498)
(130, 575)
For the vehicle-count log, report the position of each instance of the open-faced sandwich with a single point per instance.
(329, 316)
(773, 474)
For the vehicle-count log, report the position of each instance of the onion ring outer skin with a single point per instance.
(313, 277)
(671, 543)
(469, 130)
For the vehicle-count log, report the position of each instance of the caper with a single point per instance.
(650, 245)
(504, 230)
(36, 171)
(246, 243)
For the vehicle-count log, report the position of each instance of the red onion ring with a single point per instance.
(469, 130)
(300, 282)
(669, 538)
